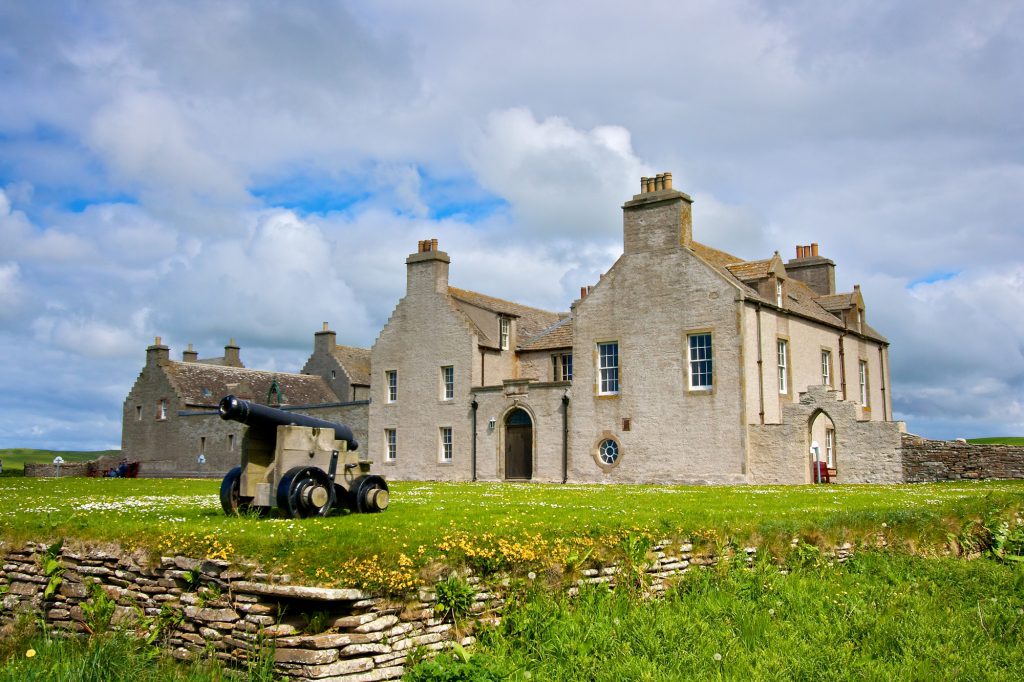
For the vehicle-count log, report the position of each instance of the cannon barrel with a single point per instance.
(254, 414)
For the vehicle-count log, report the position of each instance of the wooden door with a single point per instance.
(519, 452)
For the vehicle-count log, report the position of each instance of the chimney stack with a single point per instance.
(189, 355)
(658, 217)
(813, 270)
(157, 353)
(427, 269)
(325, 341)
(232, 356)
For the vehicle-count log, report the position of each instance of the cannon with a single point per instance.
(302, 465)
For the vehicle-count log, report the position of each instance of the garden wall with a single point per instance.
(927, 461)
(212, 607)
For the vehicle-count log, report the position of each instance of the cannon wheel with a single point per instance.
(231, 499)
(362, 497)
(304, 492)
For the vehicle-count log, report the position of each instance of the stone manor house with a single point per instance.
(682, 364)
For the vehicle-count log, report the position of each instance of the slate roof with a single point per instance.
(801, 299)
(532, 321)
(356, 362)
(750, 270)
(837, 302)
(558, 335)
(204, 385)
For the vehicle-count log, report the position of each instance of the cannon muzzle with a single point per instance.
(253, 414)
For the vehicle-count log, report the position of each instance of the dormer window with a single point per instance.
(504, 327)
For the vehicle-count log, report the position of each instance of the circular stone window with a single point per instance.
(607, 451)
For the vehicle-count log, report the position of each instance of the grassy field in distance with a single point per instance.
(15, 459)
(998, 440)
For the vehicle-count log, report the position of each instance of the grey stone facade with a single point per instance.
(170, 422)
(682, 364)
(753, 417)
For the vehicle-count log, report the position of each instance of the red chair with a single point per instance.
(822, 474)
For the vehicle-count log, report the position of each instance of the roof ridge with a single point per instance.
(456, 291)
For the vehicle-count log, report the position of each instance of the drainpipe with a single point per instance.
(474, 405)
(881, 367)
(565, 438)
(842, 364)
(760, 368)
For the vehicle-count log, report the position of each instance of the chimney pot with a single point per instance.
(814, 249)
(190, 348)
(583, 292)
(659, 182)
(668, 180)
(433, 245)
(650, 184)
(643, 185)
(157, 341)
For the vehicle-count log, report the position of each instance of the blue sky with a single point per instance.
(248, 170)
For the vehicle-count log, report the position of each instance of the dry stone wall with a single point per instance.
(926, 461)
(237, 612)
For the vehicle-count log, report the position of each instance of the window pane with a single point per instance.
(700, 361)
(783, 371)
(608, 355)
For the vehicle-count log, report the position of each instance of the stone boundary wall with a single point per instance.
(236, 610)
(67, 470)
(927, 461)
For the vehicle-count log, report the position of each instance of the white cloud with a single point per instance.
(560, 180)
(133, 143)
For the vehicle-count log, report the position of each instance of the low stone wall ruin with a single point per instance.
(928, 461)
(238, 610)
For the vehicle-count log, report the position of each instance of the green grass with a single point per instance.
(489, 526)
(117, 656)
(998, 440)
(15, 459)
(882, 616)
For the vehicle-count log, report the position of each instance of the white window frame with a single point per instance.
(504, 332)
(161, 409)
(826, 367)
(391, 385)
(390, 445)
(782, 354)
(830, 447)
(865, 395)
(446, 445)
(778, 292)
(608, 368)
(448, 382)
(694, 364)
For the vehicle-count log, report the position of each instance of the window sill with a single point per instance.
(607, 396)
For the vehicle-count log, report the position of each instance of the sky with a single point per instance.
(247, 170)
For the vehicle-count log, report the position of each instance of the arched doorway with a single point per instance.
(518, 445)
(823, 460)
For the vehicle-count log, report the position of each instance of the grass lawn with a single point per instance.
(15, 459)
(998, 440)
(519, 527)
(881, 616)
